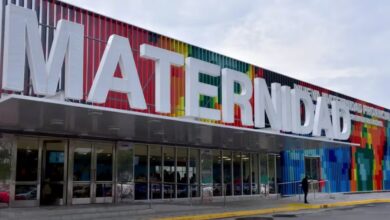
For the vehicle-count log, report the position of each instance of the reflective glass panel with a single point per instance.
(207, 173)
(125, 163)
(227, 171)
(278, 173)
(255, 173)
(169, 172)
(217, 173)
(51, 193)
(182, 180)
(140, 163)
(169, 165)
(263, 174)
(103, 162)
(246, 163)
(54, 161)
(155, 174)
(53, 176)
(81, 191)
(103, 190)
(207, 166)
(125, 192)
(141, 171)
(237, 173)
(27, 160)
(5, 168)
(82, 162)
(25, 192)
(271, 173)
(193, 171)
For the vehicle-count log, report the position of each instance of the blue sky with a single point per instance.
(343, 45)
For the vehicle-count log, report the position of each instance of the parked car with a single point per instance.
(4, 197)
(29, 195)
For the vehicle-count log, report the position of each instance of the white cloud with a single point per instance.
(341, 45)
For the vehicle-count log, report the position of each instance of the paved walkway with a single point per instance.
(183, 209)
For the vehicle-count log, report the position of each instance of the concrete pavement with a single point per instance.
(184, 209)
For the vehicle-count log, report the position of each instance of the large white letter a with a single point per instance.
(118, 51)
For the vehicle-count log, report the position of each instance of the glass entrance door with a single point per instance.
(91, 172)
(53, 172)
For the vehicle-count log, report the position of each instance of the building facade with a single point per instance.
(117, 132)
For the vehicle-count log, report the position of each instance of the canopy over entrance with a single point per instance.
(48, 116)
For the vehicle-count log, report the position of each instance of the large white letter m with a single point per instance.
(22, 38)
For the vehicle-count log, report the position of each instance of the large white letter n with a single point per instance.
(118, 51)
(22, 38)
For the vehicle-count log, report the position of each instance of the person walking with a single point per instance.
(305, 187)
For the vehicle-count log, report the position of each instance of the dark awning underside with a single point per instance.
(53, 117)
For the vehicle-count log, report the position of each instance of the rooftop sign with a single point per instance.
(282, 105)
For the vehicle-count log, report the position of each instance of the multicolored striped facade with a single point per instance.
(362, 168)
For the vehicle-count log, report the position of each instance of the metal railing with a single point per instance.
(206, 193)
(295, 188)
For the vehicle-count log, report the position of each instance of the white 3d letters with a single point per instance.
(22, 38)
(298, 96)
(118, 51)
(264, 104)
(340, 110)
(229, 98)
(163, 61)
(286, 108)
(282, 105)
(322, 120)
(194, 89)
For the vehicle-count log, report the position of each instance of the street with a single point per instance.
(363, 212)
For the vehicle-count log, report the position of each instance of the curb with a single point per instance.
(288, 208)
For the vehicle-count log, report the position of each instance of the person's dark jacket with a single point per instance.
(305, 184)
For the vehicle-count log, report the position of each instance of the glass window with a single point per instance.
(207, 166)
(263, 174)
(82, 162)
(5, 168)
(217, 173)
(140, 163)
(81, 190)
(169, 172)
(25, 192)
(104, 190)
(237, 173)
(125, 162)
(193, 171)
(255, 174)
(104, 162)
(54, 168)
(27, 160)
(169, 165)
(125, 186)
(246, 163)
(53, 175)
(155, 171)
(278, 173)
(207, 173)
(227, 171)
(141, 171)
(271, 173)
(182, 182)
(312, 168)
